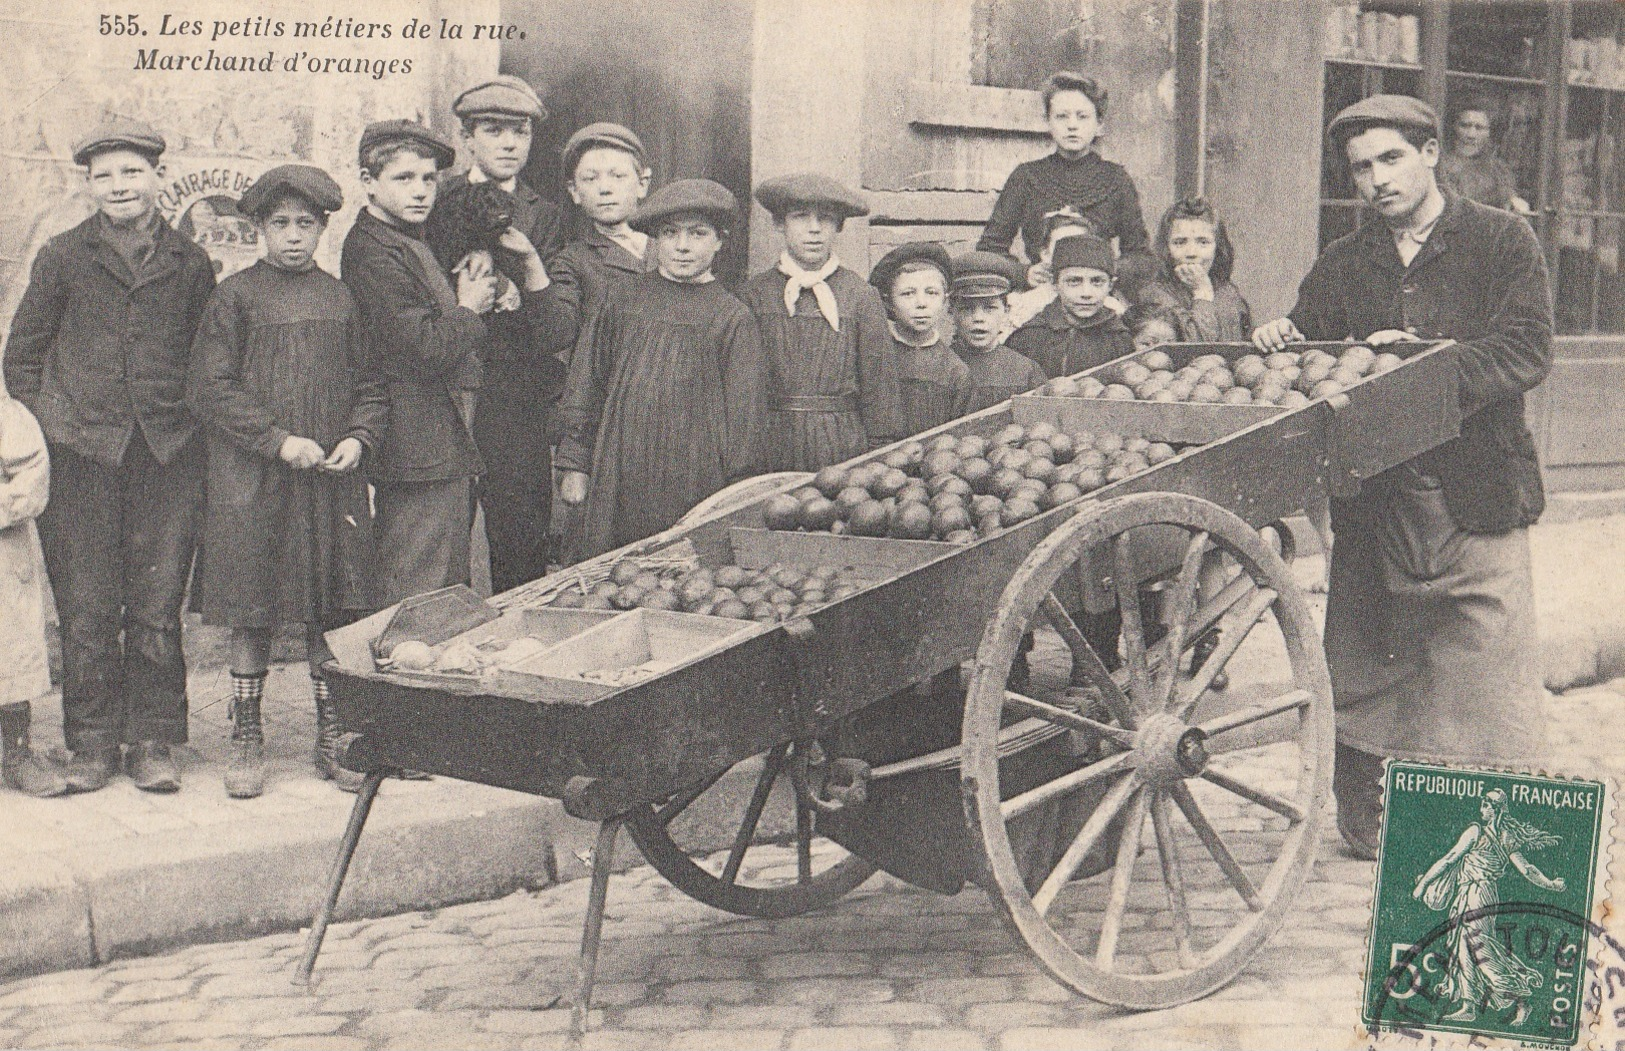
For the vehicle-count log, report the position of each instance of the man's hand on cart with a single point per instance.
(1275, 335)
(573, 487)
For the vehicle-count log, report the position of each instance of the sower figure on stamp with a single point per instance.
(528, 328)
(98, 352)
(1430, 629)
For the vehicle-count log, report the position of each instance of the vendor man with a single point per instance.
(1430, 630)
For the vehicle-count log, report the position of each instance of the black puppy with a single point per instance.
(469, 217)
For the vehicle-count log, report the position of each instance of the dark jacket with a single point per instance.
(526, 348)
(1062, 347)
(583, 272)
(1480, 279)
(423, 345)
(96, 351)
(1100, 190)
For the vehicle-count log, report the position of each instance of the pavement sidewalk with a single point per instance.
(118, 873)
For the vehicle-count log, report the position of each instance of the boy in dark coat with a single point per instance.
(425, 340)
(279, 375)
(1078, 330)
(1075, 177)
(824, 332)
(98, 352)
(529, 329)
(608, 178)
(982, 283)
(935, 387)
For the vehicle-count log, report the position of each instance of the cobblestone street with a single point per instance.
(888, 967)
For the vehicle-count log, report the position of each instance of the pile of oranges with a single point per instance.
(1290, 379)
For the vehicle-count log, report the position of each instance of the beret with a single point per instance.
(982, 275)
(787, 191)
(506, 95)
(302, 180)
(382, 131)
(116, 134)
(1082, 250)
(1393, 110)
(884, 273)
(703, 196)
(603, 133)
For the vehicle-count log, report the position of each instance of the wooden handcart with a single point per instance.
(798, 729)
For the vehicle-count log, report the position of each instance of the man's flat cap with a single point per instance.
(1084, 250)
(119, 134)
(984, 275)
(884, 273)
(1383, 111)
(782, 194)
(603, 133)
(685, 197)
(389, 131)
(301, 180)
(503, 96)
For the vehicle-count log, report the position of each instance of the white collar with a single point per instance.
(476, 174)
(704, 279)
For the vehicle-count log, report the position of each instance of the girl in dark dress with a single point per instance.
(666, 399)
(1195, 262)
(279, 377)
(934, 384)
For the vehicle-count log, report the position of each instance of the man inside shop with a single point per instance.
(1430, 630)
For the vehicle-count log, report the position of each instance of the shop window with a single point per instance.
(1589, 199)
(1017, 43)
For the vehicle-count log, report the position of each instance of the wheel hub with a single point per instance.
(1171, 750)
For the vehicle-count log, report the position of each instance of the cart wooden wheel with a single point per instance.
(776, 865)
(1233, 784)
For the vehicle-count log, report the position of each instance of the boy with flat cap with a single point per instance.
(529, 330)
(425, 338)
(834, 382)
(1078, 329)
(933, 384)
(98, 352)
(291, 406)
(980, 299)
(1430, 630)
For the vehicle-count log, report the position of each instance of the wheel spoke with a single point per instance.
(753, 813)
(1071, 720)
(1268, 800)
(1086, 660)
(1228, 645)
(1087, 837)
(1181, 609)
(1256, 712)
(685, 799)
(1210, 612)
(1215, 846)
(1173, 875)
(1015, 806)
(1128, 852)
(1128, 603)
(804, 838)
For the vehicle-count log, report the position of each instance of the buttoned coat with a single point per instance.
(97, 350)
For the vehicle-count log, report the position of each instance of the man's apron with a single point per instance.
(1430, 631)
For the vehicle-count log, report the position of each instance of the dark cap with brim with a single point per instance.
(119, 135)
(603, 133)
(884, 273)
(304, 181)
(986, 275)
(687, 197)
(1082, 250)
(501, 96)
(381, 132)
(1394, 111)
(802, 189)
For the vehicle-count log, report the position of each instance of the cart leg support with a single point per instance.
(335, 881)
(592, 929)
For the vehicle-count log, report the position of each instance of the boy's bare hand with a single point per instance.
(344, 457)
(536, 277)
(514, 240)
(572, 487)
(477, 263)
(1275, 335)
(301, 453)
(1390, 335)
(478, 294)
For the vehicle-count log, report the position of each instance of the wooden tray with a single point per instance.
(1184, 423)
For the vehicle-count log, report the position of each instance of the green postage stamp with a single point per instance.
(1487, 913)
